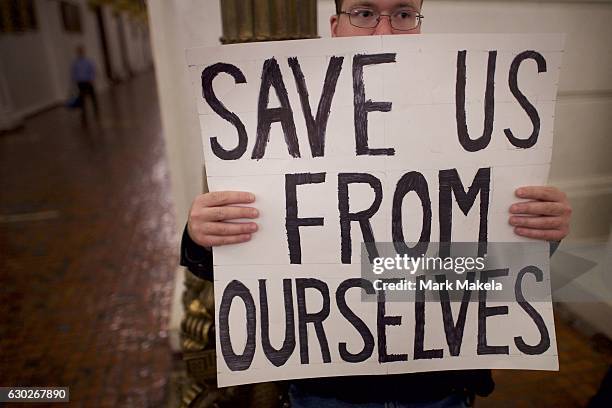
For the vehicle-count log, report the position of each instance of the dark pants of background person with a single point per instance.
(87, 90)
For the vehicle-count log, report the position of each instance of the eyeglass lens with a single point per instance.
(401, 19)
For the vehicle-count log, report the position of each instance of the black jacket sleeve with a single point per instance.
(196, 258)
(553, 246)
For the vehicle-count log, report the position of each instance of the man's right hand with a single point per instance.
(210, 218)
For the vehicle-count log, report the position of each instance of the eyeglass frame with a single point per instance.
(419, 17)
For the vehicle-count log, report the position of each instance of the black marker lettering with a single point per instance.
(449, 181)
(237, 362)
(363, 107)
(278, 357)
(208, 75)
(412, 181)
(292, 222)
(272, 77)
(544, 343)
(363, 217)
(315, 318)
(358, 324)
(382, 322)
(419, 334)
(484, 312)
(520, 97)
(454, 331)
(316, 127)
(473, 145)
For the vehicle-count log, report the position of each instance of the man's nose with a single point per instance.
(384, 26)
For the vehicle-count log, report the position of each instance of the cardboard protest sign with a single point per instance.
(393, 139)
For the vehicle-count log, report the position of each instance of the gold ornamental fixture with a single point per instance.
(268, 20)
(137, 9)
(199, 389)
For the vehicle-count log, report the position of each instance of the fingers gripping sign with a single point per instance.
(546, 216)
(213, 218)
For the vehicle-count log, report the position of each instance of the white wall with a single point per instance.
(113, 41)
(325, 8)
(138, 56)
(28, 80)
(35, 66)
(137, 44)
(175, 26)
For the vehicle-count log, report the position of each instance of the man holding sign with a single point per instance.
(212, 221)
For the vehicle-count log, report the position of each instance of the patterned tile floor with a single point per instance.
(88, 257)
(86, 236)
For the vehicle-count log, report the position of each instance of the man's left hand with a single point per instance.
(546, 216)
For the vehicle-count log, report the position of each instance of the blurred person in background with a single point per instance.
(83, 74)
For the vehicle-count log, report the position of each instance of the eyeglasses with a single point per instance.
(403, 19)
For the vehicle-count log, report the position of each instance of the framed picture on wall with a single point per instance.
(71, 17)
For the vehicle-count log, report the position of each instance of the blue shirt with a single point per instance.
(83, 70)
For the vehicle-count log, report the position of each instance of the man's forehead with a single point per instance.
(382, 4)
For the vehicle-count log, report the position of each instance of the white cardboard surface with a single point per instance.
(422, 128)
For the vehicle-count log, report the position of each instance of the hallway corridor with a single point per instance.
(88, 252)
